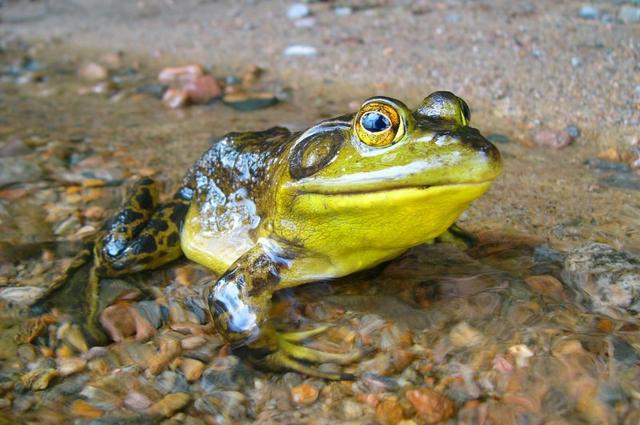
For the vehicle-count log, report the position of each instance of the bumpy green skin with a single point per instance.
(273, 209)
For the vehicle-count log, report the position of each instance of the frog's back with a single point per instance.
(230, 183)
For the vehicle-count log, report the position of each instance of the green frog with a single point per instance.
(274, 209)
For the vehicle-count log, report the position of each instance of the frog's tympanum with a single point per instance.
(274, 209)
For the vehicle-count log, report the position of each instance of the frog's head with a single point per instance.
(386, 177)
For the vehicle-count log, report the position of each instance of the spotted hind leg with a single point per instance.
(142, 235)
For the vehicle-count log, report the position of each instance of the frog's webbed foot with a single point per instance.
(283, 352)
(459, 237)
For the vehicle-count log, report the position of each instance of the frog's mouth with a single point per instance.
(423, 175)
(332, 191)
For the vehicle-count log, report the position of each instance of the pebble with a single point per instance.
(546, 285)
(304, 394)
(432, 406)
(70, 366)
(250, 101)
(153, 89)
(300, 50)
(93, 72)
(170, 404)
(389, 411)
(308, 22)
(521, 354)
(606, 279)
(548, 138)
(464, 335)
(39, 379)
(18, 170)
(573, 131)
(21, 295)
(352, 410)
(122, 320)
(175, 98)
(343, 10)
(607, 165)
(192, 342)
(629, 14)
(137, 401)
(169, 349)
(85, 410)
(170, 381)
(589, 12)
(180, 74)
(202, 89)
(297, 11)
(498, 138)
(191, 368)
(621, 181)
(15, 146)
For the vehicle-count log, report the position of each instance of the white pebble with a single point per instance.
(297, 11)
(300, 50)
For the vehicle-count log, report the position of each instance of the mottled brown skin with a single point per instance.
(255, 210)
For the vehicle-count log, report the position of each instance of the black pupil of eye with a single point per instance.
(375, 122)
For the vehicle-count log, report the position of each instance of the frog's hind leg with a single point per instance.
(142, 235)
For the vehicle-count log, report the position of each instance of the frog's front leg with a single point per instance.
(459, 237)
(239, 303)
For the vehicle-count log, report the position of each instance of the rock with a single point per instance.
(250, 101)
(304, 394)
(308, 22)
(191, 368)
(93, 72)
(389, 411)
(622, 181)
(137, 401)
(39, 379)
(169, 349)
(300, 50)
(169, 382)
(547, 138)
(600, 164)
(546, 285)
(432, 406)
(18, 170)
(176, 98)
(464, 335)
(297, 11)
(498, 138)
(180, 74)
(202, 89)
(576, 61)
(152, 312)
(15, 146)
(192, 342)
(589, 12)
(343, 10)
(352, 410)
(153, 89)
(170, 404)
(22, 295)
(85, 410)
(122, 320)
(629, 14)
(572, 130)
(605, 279)
(225, 373)
(521, 353)
(70, 366)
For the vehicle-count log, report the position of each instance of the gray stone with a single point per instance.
(629, 14)
(18, 170)
(297, 11)
(589, 12)
(606, 280)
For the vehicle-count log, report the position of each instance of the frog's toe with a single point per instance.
(284, 352)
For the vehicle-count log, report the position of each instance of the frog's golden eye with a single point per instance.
(379, 124)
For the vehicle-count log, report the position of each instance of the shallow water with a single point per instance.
(494, 335)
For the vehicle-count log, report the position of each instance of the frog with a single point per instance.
(275, 209)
